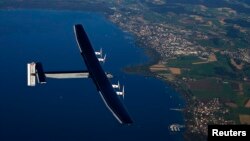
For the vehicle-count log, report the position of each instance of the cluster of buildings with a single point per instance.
(172, 42)
(165, 39)
(240, 54)
(205, 113)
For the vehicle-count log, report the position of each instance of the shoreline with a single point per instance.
(199, 111)
(144, 69)
(161, 130)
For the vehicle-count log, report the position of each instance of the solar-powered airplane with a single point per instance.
(95, 71)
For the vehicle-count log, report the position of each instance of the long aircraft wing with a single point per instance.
(99, 77)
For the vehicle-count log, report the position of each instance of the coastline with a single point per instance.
(144, 69)
(149, 124)
(204, 105)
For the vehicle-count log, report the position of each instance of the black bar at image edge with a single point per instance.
(241, 132)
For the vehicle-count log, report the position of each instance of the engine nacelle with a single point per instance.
(99, 52)
(121, 93)
(102, 59)
(116, 86)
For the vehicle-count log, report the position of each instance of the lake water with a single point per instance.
(72, 110)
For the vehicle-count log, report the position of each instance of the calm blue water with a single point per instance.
(72, 110)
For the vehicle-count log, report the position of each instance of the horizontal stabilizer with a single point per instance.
(71, 74)
(67, 74)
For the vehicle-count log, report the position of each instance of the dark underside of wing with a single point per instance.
(99, 77)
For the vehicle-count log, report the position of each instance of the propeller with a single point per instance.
(123, 92)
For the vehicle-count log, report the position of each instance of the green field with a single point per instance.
(216, 80)
(220, 68)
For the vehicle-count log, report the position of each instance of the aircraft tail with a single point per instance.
(35, 72)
